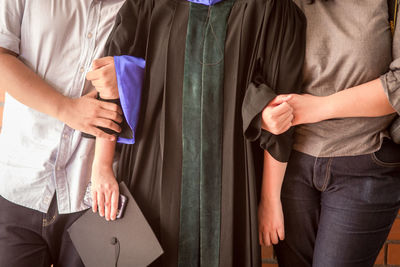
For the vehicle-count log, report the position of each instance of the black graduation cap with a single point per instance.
(125, 242)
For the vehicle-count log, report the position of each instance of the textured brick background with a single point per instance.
(388, 257)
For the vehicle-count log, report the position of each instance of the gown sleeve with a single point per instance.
(127, 43)
(278, 70)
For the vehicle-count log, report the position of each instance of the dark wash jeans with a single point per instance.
(30, 238)
(338, 211)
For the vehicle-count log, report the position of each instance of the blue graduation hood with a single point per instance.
(130, 74)
(205, 2)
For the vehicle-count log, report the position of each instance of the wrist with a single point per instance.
(109, 94)
(270, 198)
(100, 171)
(101, 165)
(62, 108)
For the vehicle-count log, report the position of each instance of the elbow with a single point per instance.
(6, 52)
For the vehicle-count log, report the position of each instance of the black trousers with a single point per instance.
(338, 211)
(30, 238)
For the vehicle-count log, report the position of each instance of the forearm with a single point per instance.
(273, 174)
(365, 100)
(104, 153)
(104, 184)
(27, 87)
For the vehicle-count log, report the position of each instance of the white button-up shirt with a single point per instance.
(39, 155)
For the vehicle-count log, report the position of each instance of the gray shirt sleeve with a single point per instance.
(391, 79)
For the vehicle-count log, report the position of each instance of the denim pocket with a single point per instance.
(388, 155)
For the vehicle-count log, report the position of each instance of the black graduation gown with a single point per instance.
(264, 52)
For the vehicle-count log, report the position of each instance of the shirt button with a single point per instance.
(81, 70)
(65, 136)
(58, 168)
(90, 35)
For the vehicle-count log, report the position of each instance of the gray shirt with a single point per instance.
(348, 43)
(39, 155)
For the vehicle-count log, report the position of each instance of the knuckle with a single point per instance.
(98, 105)
(271, 116)
(116, 117)
(103, 73)
(106, 186)
(93, 112)
(110, 124)
(264, 112)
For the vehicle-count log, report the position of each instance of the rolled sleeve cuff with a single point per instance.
(255, 100)
(130, 74)
(9, 42)
(391, 85)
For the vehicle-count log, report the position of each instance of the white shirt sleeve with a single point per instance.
(11, 15)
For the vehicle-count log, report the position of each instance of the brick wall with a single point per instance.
(388, 257)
